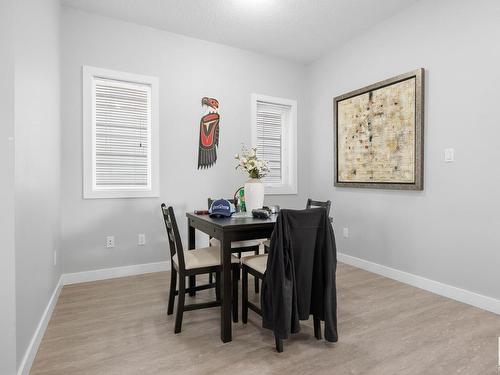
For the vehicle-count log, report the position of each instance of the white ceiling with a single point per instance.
(299, 30)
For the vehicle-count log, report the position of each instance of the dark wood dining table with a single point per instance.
(227, 230)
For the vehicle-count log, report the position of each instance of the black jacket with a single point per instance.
(300, 274)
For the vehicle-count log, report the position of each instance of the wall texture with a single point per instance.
(37, 175)
(7, 250)
(188, 69)
(448, 232)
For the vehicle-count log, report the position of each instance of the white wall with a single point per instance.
(37, 175)
(7, 250)
(188, 69)
(448, 232)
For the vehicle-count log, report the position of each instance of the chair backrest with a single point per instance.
(174, 239)
(312, 204)
(210, 201)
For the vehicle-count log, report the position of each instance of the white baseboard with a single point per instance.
(29, 355)
(458, 294)
(111, 273)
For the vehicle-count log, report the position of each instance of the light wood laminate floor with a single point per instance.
(120, 326)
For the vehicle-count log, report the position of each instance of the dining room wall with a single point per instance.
(7, 192)
(188, 69)
(449, 231)
(37, 165)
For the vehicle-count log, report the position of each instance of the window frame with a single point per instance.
(89, 74)
(289, 142)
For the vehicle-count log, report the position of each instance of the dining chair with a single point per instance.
(194, 262)
(256, 266)
(311, 203)
(238, 247)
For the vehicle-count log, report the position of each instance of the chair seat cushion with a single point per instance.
(237, 244)
(256, 262)
(202, 257)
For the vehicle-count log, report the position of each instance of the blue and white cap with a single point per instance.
(221, 208)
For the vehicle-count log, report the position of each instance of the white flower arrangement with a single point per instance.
(250, 163)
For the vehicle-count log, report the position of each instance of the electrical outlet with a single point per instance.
(55, 258)
(449, 155)
(141, 239)
(110, 241)
(345, 232)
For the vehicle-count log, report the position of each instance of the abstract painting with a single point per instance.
(379, 134)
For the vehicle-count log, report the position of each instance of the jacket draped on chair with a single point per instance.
(300, 274)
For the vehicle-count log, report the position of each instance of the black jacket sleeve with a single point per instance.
(277, 287)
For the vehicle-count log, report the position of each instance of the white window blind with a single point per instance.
(274, 133)
(120, 120)
(270, 121)
(122, 134)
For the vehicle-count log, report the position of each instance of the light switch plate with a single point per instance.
(449, 155)
(345, 232)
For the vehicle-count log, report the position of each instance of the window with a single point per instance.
(274, 133)
(120, 134)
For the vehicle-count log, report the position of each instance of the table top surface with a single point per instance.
(237, 220)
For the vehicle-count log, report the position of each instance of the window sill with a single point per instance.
(280, 190)
(120, 194)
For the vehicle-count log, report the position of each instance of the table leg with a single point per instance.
(226, 323)
(191, 245)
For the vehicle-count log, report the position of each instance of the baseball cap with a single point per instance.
(221, 208)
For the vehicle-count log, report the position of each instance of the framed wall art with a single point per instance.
(379, 134)
(209, 133)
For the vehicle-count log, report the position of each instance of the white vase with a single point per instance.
(254, 194)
